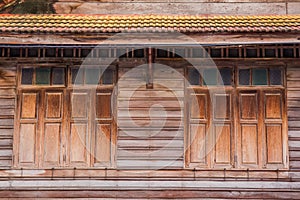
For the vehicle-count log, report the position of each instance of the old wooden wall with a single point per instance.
(178, 7)
(7, 108)
(150, 123)
(217, 7)
(187, 184)
(293, 102)
(8, 103)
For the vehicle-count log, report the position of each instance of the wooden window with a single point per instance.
(63, 126)
(244, 126)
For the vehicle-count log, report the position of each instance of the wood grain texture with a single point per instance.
(219, 8)
(150, 122)
(293, 99)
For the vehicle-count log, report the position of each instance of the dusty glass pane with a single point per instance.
(244, 77)
(77, 76)
(194, 76)
(42, 76)
(259, 77)
(107, 77)
(92, 76)
(226, 75)
(275, 76)
(210, 77)
(58, 76)
(27, 76)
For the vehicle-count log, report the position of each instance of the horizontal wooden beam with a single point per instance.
(187, 174)
(150, 38)
(165, 193)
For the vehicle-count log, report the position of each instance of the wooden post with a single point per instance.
(149, 78)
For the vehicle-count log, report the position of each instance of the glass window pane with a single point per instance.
(92, 76)
(194, 76)
(244, 76)
(27, 76)
(226, 76)
(210, 77)
(275, 76)
(42, 76)
(107, 77)
(77, 76)
(58, 76)
(259, 77)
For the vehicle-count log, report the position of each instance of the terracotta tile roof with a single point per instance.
(147, 23)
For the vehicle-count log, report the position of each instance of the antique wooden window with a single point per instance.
(242, 125)
(64, 123)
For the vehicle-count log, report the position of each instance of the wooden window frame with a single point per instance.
(65, 90)
(234, 90)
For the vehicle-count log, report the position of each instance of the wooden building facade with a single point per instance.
(173, 107)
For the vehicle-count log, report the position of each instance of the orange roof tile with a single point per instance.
(147, 23)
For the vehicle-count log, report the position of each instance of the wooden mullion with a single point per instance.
(261, 131)
(92, 127)
(40, 127)
(186, 132)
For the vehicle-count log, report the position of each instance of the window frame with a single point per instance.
(66, 90)
(235, 88)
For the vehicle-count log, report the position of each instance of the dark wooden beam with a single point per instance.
(149, 83)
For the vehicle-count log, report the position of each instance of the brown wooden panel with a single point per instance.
(249, 144)
(79, 105)
(248, 106)
(198, 106)
(222, 105)
(29, 105)
(223, 144)
(103, 105)
(51, 144)
(27, 144)
(78, 143)
(198, 143)
(103, 144)
(273, 106)
(53, 105)
(274, 143)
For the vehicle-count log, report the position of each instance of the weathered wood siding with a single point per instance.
(180, 184)
(217, 7)
(246, 7)
(7, 108)
(293, 102)
(150, 121)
